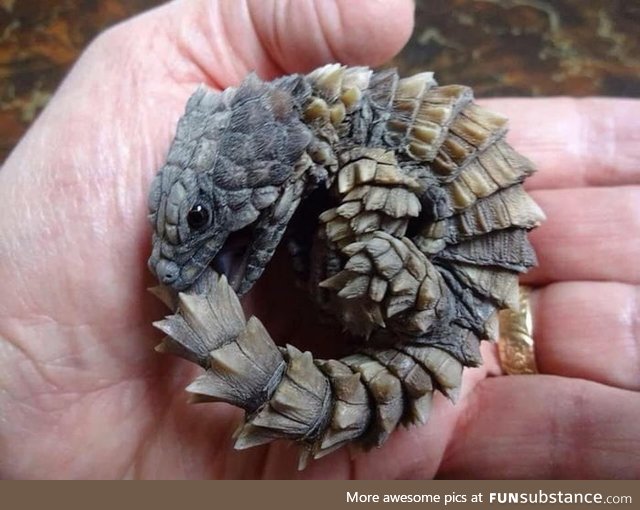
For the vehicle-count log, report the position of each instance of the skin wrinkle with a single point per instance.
(59, 419)
(582, 145)
(273, 66)
(282, 55)
(179, 66)
(184, 41)
(59, 401)
(412, 465)
(127, 215)
(248, 61)
(137, 81)
(324, 33)
(339, 25)
(49, 385)
(267, 42)
(279, 22)
(414, 471)
(182, 44)
(466, 413)
(32, 361)
(353, 468)
(222, 51)
(539, 319)
(77, 348)
(153, 159)
(344, 467)
(53, 236)
(227, 43)
(182, 465)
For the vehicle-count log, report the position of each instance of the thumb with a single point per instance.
(299, 35)
(225, 39)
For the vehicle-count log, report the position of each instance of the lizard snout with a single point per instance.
(167, 271)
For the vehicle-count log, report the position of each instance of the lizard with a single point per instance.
(423, 226)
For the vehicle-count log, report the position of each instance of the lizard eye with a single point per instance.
(198, 217)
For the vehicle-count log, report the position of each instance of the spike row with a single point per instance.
(375, 196)
(338, 91)
(393, 281)
(324, 404)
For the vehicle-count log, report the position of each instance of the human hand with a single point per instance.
(82, 394)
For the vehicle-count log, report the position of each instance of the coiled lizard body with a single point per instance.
(421, 241)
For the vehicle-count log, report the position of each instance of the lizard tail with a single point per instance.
(287, 394)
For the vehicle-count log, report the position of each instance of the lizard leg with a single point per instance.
(378, 199)
(388, 284)
(391, 293)
(267, 234)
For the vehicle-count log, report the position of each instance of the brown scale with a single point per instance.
(421, 298)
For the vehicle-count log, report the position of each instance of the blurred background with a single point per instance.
(499, 47)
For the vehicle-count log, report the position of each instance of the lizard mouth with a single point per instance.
(231, 258)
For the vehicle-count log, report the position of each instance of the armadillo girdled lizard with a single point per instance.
(422, 238)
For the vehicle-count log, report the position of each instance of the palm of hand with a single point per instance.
(85, 396)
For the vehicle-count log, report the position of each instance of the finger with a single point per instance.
(543, 427)
(588, 330)
(303, 34)
(589, 234)
(576, 142)
(226, 40)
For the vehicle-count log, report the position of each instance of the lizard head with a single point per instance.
(233, 155)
